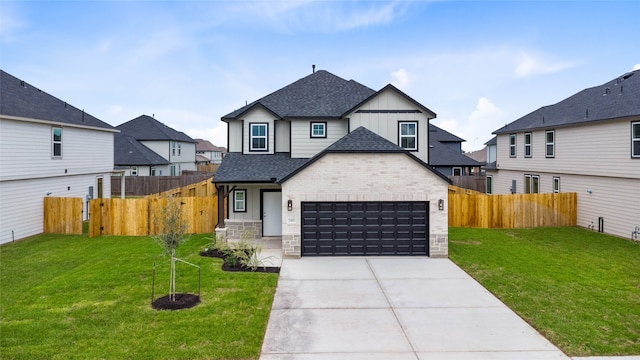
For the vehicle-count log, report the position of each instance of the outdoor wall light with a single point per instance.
(440, 204)
(289, 205)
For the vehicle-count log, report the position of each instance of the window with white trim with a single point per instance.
(258, 137)
(550, 143)
(408, 135)
(240, 200)
(318, 130)
(635, 139)
(56, 142)
(134, 171)
(556, 184)
(179, 149)
(512, 145)
(531, 184)
(173, 148)
(527, 144)
(457, 171)
(489, 184)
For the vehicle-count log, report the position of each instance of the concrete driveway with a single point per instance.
(392, 308)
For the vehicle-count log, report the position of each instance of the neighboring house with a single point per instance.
(446, 156)
(174, 150)
(333, 167)
(47, 148)
(207, 153)
(588, 143)
(491, 149)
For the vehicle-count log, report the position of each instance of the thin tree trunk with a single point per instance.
(172, 280)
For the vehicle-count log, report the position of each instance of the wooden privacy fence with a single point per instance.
(62, 215)
(512, 210)
(145, 185)
(203, 188)
(142, 216)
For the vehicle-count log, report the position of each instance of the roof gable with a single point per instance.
(389, 87)
(318, 95)
(20, 99)
(129, 151)
(145, 127)
(615, 99)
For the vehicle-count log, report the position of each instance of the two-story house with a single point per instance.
(148, 147)
(47, 148)
(446, 156)
(333, 167)
(588, 143)
(209, 153)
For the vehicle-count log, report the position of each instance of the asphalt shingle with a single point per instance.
(238, 167)
(145, 127)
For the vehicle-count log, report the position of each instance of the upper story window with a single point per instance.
(173, 148)
(258, 137)
(179, 149)
(408, 135)
(635, 139)
(318, 129)
(550, 143)
(527, 144)
(56, 142)
(512, 145)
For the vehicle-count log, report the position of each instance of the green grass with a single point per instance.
(579, 288)
(72, 297)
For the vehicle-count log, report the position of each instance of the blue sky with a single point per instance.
(477, 64)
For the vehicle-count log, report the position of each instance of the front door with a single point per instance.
(271, 213)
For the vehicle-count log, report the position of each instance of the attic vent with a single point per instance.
(606, 92)
(23, 84)
(621, 89)
(627, 75)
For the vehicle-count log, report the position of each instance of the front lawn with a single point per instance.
(579, 288)
(71, 297)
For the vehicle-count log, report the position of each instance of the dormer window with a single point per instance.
(258, 137)
(408, 135)
(318, 129)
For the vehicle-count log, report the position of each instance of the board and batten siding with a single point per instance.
(304, 146)
(385, 124)
(600, 148)
(29, 172)
(612, 198)
(254, 116)
(252, 201)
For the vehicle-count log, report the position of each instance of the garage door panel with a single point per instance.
(364, 228)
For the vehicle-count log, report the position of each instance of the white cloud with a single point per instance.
(216, 135)
(529, 65)
(401, 79)
(636, 67)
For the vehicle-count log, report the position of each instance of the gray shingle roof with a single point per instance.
(443, 155)
(363, 140)
(438, 134)
(319, 95)
(622, 99)
(129, 151)
(18, 98)
(237, 167)
(145, 127)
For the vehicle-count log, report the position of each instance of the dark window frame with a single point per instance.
(635, 141)
(556, 181)
(252, 137)
(244, 200)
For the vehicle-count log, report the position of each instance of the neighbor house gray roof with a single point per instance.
(145, 127)
(206, 145)
(438, 134)
(237, 167)
(492, 141)
(19, 98)
(615, 99)
(130, 152)
(319, 95)
(443, 155)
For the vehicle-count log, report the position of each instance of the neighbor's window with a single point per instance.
(173, 148)
(550, 142)
(457, 171)
(512, 145)
(635, 139)
(240, 200)
(408, 135)
(56, 142)
(489, 184)
(527, 144)
(318, 129)
(531, 184)
(179, 149)
(556, 184)
(134, 171)
(258, 137)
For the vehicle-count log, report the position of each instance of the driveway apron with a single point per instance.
(392, 308)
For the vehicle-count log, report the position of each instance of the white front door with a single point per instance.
(271, 213)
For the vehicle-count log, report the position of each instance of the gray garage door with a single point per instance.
(365, 228)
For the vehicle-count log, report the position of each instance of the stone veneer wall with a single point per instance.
(366, 177)
(241, 229)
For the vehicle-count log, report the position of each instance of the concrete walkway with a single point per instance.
(392, 308)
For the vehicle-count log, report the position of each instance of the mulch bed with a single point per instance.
(225, 267)
(183, 301)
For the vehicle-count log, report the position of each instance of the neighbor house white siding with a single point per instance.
(304, 146)
(385, 123)
(28, 172)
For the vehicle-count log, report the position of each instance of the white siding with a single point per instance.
(259, 116)
(162, 148)
(386, 124)
(614, 199)
(283, 135)
(184, 159)
(304, 146)
(235, 136)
